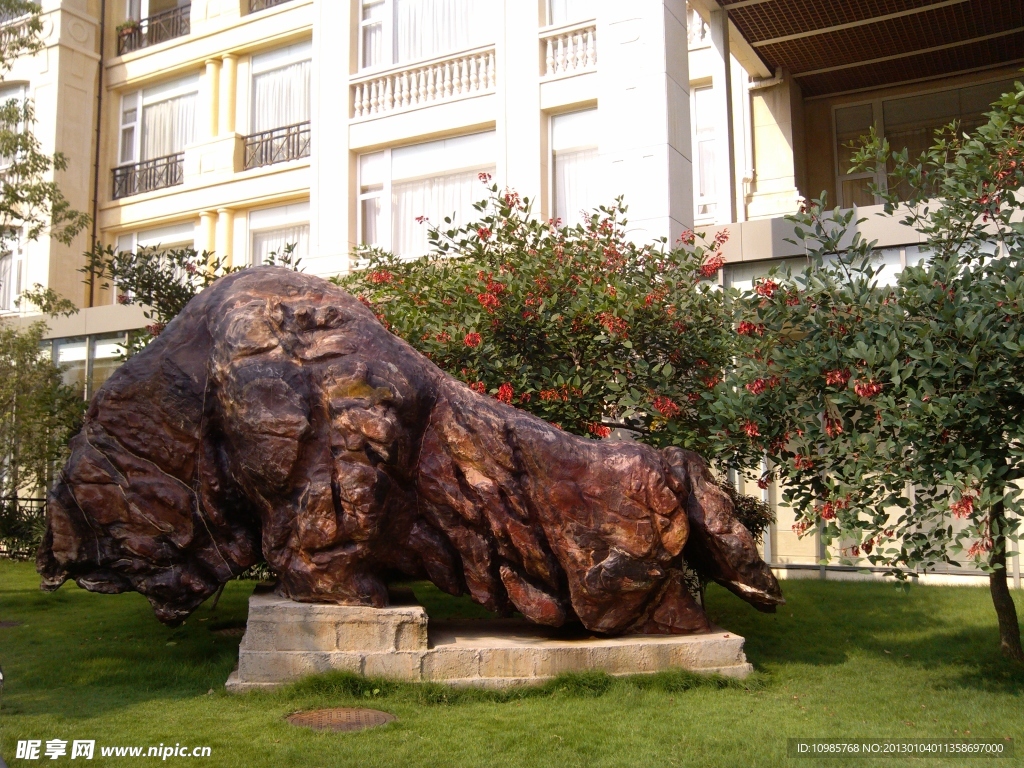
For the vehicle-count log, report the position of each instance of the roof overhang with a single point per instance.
(838, 46)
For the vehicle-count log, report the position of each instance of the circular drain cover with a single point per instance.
(341, 719)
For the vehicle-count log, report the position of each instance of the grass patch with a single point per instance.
(840, 660)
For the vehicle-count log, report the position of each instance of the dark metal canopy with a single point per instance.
(835, 46)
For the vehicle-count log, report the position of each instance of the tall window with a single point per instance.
(400, 187)
(159, 121)
(12, 273)
(398, 31)
(575, 178)
(281, 88)
(272, 230)
(12, 98)
(704, 152)
(851, 124)
(569, 11)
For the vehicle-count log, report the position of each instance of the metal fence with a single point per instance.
(277, 146)
(262, 5)
(158, 173)
(157, 28)
(21, 526)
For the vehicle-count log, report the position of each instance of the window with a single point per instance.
(167, 238)
(907, 122)
(12, 273)
(438, 179)
(272, 230)
(13, 112)
(569, 11)
(143, 9)
(852, 123)
(742, 276)
(159, 121)
(398, 31)
(574, 178)
(73, 355)
(705, 149)
(281, 88)
(105, 356)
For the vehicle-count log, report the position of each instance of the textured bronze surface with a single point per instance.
(341, 719)
(276, 418)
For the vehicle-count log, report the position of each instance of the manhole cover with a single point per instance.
(9, 624)
(341, 719)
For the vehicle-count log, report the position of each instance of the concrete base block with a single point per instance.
(285, 641)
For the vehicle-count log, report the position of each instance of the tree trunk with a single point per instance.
(1006, 611)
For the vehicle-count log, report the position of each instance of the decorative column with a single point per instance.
(520, 123)
(225, 235)
(207, 231)
(228, 93)
(213, 97)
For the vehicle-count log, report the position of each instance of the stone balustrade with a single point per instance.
(570, 50)
(435, 81)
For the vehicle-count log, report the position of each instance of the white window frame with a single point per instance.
(552, 151)
(386, 223)
(144, 9)
(295, 214)
(14, 249)
(141, 99)
(698, 201)
(279, 58)
(549, 17)
(15, 91)
(840, 175)
(387, 34)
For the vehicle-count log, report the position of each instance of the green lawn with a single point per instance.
(840, 660)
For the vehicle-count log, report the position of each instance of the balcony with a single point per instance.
(156, 29)
(569, 50)
(262, 5)
(149, 175)
(277, 146)
(443, 79)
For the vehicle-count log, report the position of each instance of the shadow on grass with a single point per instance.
(927, 628)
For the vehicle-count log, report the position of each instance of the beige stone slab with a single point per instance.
(285, 641)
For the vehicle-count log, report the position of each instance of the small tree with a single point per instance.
(38, 414)
(895, 415)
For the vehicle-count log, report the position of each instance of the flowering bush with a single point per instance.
(919, 384)
(577, 325)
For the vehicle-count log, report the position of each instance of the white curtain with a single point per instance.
(276, 240)
(168, 126)
(568, 11)
(6, 301)
(281, 97)
(576, 185)
(452, 195)
(428, 28)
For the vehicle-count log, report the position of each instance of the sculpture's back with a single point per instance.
(276, 418)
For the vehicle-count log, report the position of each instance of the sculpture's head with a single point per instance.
(117, 523)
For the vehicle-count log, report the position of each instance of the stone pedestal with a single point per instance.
(285, 641)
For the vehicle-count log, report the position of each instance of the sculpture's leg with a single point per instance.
(674, 611)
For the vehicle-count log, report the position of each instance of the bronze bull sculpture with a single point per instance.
(276, 418)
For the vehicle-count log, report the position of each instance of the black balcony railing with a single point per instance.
(158, 173)
(277, 146)
(262, 5)
(156, 29)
